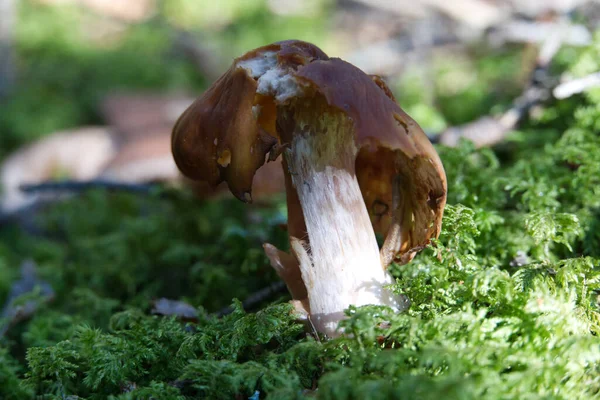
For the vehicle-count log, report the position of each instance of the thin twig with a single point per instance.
(523, 31)
(79, 186)
(575, 86)
(257, 297)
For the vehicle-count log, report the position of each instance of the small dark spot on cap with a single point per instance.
(433, 199)
(379, 208)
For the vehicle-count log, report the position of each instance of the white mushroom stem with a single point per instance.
(341, 266)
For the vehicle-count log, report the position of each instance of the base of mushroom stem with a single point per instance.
(288, 269)
(302, 315)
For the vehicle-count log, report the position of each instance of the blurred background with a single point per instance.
(102, 82)
(90, 89)
(98, 231)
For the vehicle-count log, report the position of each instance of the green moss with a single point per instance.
(503, 305)
(479, 325)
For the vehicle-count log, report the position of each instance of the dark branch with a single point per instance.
(79, 186)
(257, 297)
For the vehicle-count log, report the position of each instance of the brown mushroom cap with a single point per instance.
(217, 138)
(222, 138)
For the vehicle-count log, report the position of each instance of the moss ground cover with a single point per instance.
(504, 305)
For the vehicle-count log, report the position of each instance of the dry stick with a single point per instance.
(477, 14)
(517, 30)
(487, 131)
(575, 86)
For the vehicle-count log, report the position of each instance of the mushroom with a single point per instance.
(354, 164)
